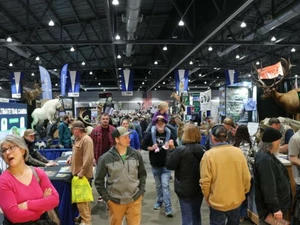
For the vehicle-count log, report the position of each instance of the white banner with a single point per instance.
(205, 100)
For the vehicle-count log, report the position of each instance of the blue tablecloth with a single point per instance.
(54, 153)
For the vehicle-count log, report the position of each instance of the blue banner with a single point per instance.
(127, 80)
(63, 79)
(46, 83)
(181, 80)
(231, 77)
(73, 83)
(16, 89)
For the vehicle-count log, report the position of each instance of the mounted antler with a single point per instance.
(80, 115)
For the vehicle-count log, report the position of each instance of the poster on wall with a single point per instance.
(205, 100)
(196, 102)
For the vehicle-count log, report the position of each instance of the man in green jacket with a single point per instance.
(65, 132)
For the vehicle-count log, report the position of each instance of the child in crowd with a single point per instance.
(163, 109)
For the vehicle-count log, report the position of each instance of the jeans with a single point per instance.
(162, 179)
(219, 217)
(190, 210)
(153, 134)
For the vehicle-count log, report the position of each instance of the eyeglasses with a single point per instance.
(11, 148)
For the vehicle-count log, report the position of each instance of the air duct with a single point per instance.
(18, 50)
(291, 12)
(132, 19)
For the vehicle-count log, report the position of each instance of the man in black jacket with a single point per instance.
(158, 162)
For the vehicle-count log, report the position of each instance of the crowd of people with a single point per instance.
(219, 172)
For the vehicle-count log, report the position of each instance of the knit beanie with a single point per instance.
(271, 135)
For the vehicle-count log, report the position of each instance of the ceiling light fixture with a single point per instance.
(165, 48)
(55, 70)
(155, 89)
(181, 23)
(243, 24)
(37, 58)
(83, 63)
(9, 39)
(293, 50)
(56, 84)
(237, 56)
(119, 56)
(155, 62)
(200, 75)
(273, 38)
(72, 49)
(91, 73)
(51, 23)
(164, 82)
(10, 64)
(191, 62)
(143, 82)
(32, 74)
(115, 2)
(210, 48)
(257, 63)
(99, 83)
(205, 82)
(118, 37)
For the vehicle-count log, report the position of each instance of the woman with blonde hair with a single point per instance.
(185, 160)
(26, 192)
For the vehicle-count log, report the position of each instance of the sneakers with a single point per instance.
(166, 146)
(156, 206)
(169, 213)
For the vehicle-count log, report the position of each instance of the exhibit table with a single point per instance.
(252, 211)
(53, 153)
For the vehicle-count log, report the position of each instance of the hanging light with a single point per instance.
(165, 48)
(237, 56)
(293, 50)
(118, 37)
(55, 70)
(273, 38)
(115, 2)
(210, 48)
(119, 56)
(32, 74)
(191, 62)
(99, 83)
(37, 58)
(91, 73)
(155, 62)
(51, 23)
(243, 24)
(83, 63)
(72, 49)
(181, 23)
(9, 39)
(56, 84)
(10, 64)
(257, 63)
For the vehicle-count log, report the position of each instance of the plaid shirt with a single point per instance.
(96, 135)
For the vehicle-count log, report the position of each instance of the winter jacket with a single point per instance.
(126, 179)
(64, 135)
(185, 160)
(272, 184)
(35, 158)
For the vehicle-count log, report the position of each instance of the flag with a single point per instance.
(181, 80)
(231, 77)
(63, 79)
(46, 83)
(16, 89)
(73, 84)
(270, 72)
(127, 82)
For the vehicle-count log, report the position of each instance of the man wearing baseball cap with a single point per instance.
(224, 167)
(124, 169)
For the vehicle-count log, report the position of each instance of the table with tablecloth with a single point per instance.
(53, 153)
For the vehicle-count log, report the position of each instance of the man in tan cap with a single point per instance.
(35, 158)
(82, 164)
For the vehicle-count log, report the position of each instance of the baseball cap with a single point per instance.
(160, 118)
(28, 132)
(120, 131)
(219, 131)
(78, 124)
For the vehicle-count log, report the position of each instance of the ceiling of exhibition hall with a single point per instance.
(99, 38)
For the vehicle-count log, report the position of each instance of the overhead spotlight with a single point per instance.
(293, 50)
(85, 89)
(181, 23)
(273, 38)
(155, 62)
(243, 24)
(55, 70)
(0, 87)
(99, 83)
(296, 75)
(143, 82)
(208, 88)
(257, 63)
(165, 48)
(103, 89)
(191, 62)
(120, 68)
(164, 82)
(237, 56)
(217, 77)
(32, 74)
(72, 49)
(56, 84)
(155, 89)
(205, 82)
(249, 75)
(8, 39)
(91, 73)
(83, 63)
(10, 64)
(118, 37)
(95, 78)
(120, 75)
(37, 58)
(189, 80)
(120, 81)
(188, 89)
(200, 75)
(140, 86)
(210, 48)
(158, 86)
(115, 2)
(119, 56)
(51, 23)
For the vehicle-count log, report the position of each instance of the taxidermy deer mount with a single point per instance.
(33, 94)
(290, 100)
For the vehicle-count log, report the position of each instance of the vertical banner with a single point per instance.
(205, 100)
(231, 77)
(46, 83)
(73, 84)
(181, 80)
(196, 102)
(15, 78)
(63, 79)
(127, 82)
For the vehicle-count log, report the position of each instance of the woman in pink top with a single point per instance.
(23, 198)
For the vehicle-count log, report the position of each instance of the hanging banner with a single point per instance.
(270, 72)
(46, 83)
(181, 80)
(205, 100)
(127, 82)
(63, 79)
(231, 77)
(73, 84)
(16, 89)
(196, 102)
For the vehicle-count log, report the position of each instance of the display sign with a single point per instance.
(13, 118)
(205, 100)
(127, 93)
